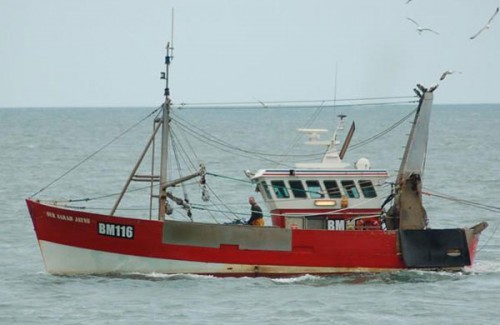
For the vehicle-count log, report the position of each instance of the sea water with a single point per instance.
(81, 153)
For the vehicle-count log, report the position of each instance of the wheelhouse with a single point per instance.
(321, 199)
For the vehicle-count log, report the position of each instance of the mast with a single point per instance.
(164, 123)
(165, 134)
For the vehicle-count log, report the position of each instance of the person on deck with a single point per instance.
(256, 218)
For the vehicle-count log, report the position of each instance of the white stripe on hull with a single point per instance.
(63, 259)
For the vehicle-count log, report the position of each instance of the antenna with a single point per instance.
(335, 90)
(168, 58)
(172, 36)
(335, 85)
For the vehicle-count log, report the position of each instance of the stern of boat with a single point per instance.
(440, 248)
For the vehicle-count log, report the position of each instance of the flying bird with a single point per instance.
(447, 72)
(262, 103)
(487, 26)
(421, 29)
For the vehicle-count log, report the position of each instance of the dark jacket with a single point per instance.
(256, 213)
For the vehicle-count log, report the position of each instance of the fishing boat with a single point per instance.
(327, 218)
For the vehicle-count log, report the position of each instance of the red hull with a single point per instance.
(312, 251)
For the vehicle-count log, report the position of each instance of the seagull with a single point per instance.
(447, 72)
(487, 26)
(422, 29)
(261, 102)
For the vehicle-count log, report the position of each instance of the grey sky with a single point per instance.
(110, 52)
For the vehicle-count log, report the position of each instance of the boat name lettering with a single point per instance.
(115, 230)
(336, 224)
(67, 218)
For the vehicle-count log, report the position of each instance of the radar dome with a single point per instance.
(363, 164)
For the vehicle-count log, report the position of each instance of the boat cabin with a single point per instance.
(327, 195)
(346, 199)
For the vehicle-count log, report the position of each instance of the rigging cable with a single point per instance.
(96, 197)
(311, 120)
(384, 132)
(174, 136)
(201, 135)
(177, 145)
(478, 205)
(183, 135)
(185, 155)
(177, 161)
(185, 105)
(219, 144)
(204, 136)
(95, 153)
(228, 211)
(488, 239)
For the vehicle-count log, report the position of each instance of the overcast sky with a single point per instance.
(110, 52)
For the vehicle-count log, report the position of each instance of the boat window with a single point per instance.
(367, 188)
(314, 189)
(263, 185)
(298, 189)
(332, 189)
(280, 189)
(350, 189)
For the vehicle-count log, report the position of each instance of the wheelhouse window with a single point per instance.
(367, 189)
(263, 185)
(298, 189)
(350, 189)
(280, 189)
(314, 189)
(332, 189)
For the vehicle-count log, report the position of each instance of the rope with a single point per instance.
(96, 197)
(184, 105)
(229, 177)
(221, 202)
(384, 132)
(187, 142)
(200, 207)
(209, 139)
(478, 205)
(311, 120)
(218, 143)
(489, 238)
(205, 136)
(94, 153)
(179, 169)
(101, 208)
